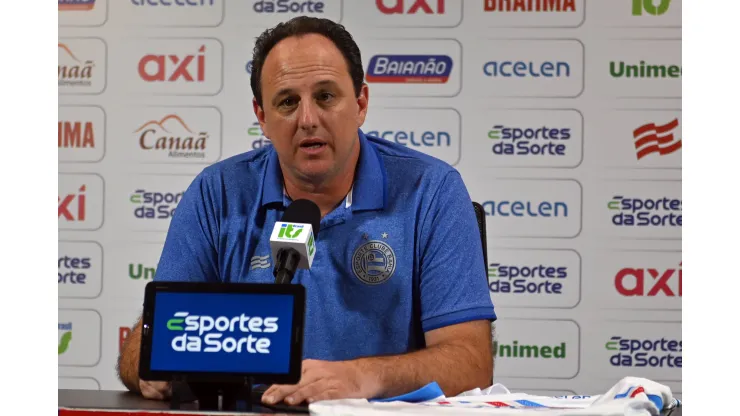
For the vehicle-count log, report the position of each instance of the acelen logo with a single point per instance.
(172, 68)
(527, 69)
(411, 6)
(410, 69)
(649, 282)
(526, 208)
(529, 5)
(659, 139)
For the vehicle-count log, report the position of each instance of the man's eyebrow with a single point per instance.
(281, 93)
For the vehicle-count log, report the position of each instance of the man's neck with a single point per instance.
(327, 195)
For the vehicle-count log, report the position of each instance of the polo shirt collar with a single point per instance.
(369, 192)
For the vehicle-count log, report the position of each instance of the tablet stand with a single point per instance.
(215, 395)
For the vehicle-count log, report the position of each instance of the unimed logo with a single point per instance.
(642, 69)
(649, 282)
(517, 350)
(138, 271)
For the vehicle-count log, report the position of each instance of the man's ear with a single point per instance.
(363, 101)
(260, 114)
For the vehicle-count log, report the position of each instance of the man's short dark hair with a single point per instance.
(303, 25)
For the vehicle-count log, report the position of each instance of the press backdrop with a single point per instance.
(564, 118)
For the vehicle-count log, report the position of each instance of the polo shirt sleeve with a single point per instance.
(190, 248)
(453, 278)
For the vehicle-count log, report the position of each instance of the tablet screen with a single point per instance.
(211, 330)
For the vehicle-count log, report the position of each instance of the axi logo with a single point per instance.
(75, 72)
(415, 6)
(72, 206)
(289, 6)
(65, 330)
(76, 134)
(645, 212)
(258, 138)
(657, 352)
(522, 141)
(123, 333)
(620, 69)
(82, 5)
(538, 278)
(173, 68)
(525, 208)
(178, 141)
(525, 69)
(516, 350)
(529, 5)
(651, 138)
(411, 69)
(290, 231)
(139, 271)
(649, 7)
(155, 205)
(198, 330)
(69, 269)
(633, 281)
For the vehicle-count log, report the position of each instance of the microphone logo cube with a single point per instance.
(297, 236)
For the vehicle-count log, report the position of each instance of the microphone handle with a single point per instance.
(288, 260)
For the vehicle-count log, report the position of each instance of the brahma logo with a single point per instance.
(529, 6)
(414, 6)
(424, 69)
(81, 134)
(198, 330)
(645, 212)
(649, 282)
(659, 139)
(81, 66)
(76, 5)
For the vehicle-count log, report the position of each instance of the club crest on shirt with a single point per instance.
(374, 262)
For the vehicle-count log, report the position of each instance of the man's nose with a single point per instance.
(308, 117)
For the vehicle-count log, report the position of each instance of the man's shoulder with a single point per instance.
(408, 162)
(244, 167)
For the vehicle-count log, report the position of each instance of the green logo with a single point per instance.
(174, 324)
(638, 6)
(311, 245)
(64, 342)
(289, 231)
(528, 351)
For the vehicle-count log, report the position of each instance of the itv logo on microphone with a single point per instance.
(290, 231)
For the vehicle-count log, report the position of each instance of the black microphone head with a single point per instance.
(305, 212)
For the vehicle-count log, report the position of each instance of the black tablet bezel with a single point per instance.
(147, 331)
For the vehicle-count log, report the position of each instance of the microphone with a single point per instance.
(292, 240)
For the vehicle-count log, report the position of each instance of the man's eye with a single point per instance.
(288, 102)
(326, 96)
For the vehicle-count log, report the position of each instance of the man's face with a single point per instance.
(309, 108)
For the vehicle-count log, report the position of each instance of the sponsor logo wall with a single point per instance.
(563, 117)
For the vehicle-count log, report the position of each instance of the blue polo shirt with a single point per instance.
(400, 256)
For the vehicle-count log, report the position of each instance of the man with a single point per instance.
(425, 315)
